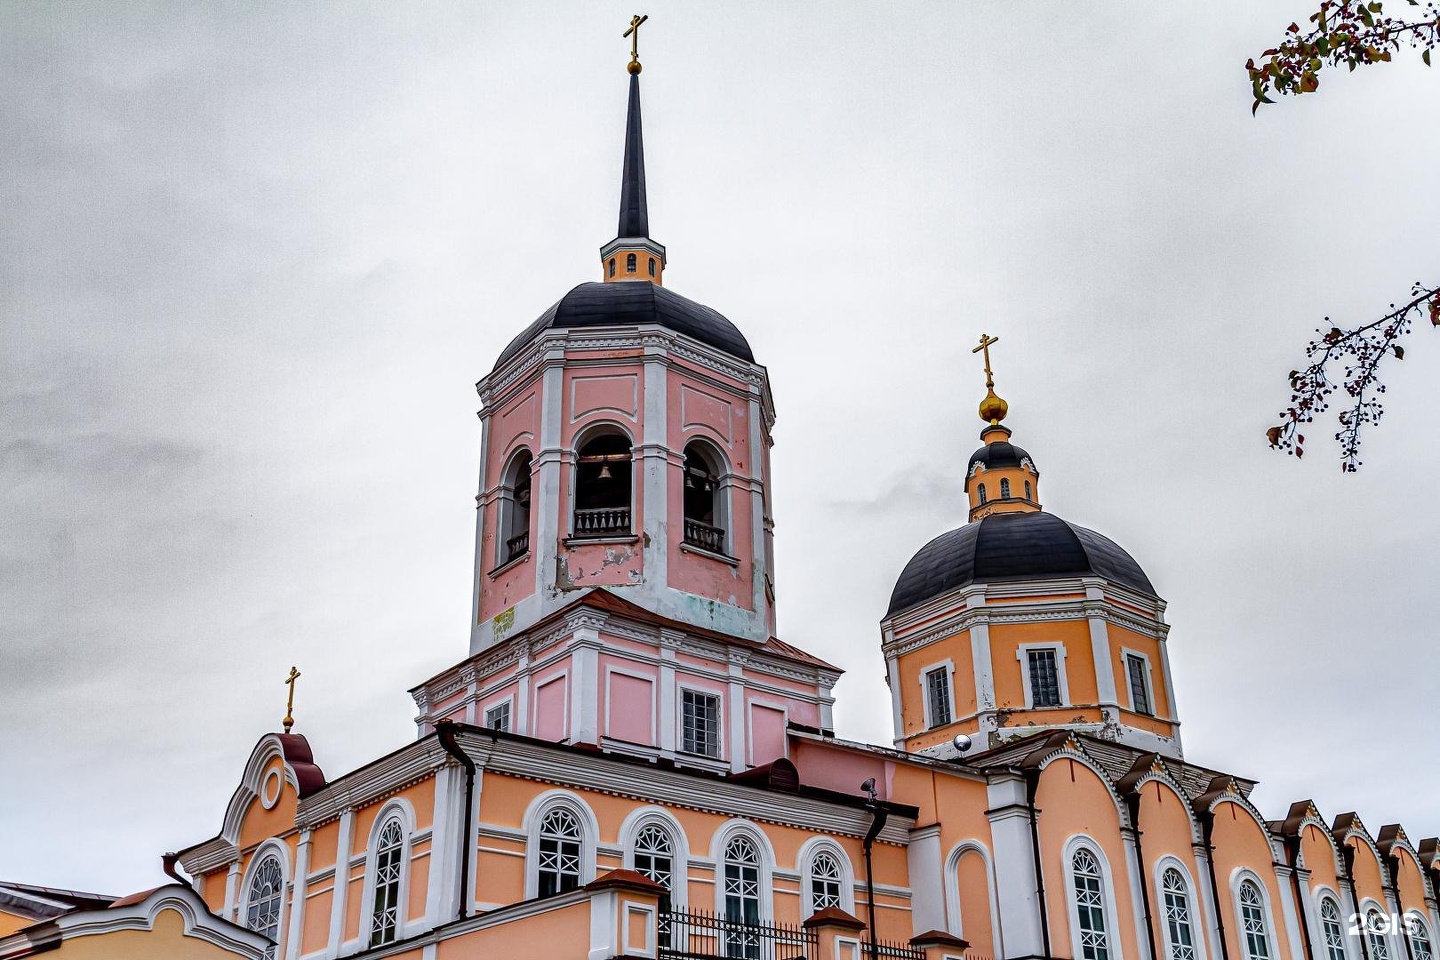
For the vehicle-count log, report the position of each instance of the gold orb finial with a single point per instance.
(993, 408)
(634, 66)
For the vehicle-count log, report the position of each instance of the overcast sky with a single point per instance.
(253, 258)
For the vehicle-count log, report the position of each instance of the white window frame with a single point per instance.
(721, 840)
(1323, 895)
(535, 816)
(805, 860)
(1149, 681)
(949, 667)
(262, 853)
(1107, 881)
(507, 702)
(720, 721)
(1367, 906)
(1237, 878)
(591, 431)
(1417, 918)
(1022, 653)
(1198, 922)
(652, 816)
(397, 809)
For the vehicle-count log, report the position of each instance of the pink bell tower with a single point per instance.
(626, 445)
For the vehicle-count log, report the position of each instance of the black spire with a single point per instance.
(634, 219)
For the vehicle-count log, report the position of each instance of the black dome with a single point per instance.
(999, 454)
(1013, 546)
(630, 303)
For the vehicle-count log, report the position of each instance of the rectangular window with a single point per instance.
(1044, 679)
(700, 723)
(937, 694)
(1139, 684)
(498, 717)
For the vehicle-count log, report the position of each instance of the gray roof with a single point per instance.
(631, 303)
(634, 217)
(1013, 546)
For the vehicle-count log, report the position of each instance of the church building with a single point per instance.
(629, 762)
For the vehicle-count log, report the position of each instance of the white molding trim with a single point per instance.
(729, 830)
(948, 665)
(642, 817)
(541, 805)
(804, 863)
(1238, 877)
(1073, 845)
(1192, 899)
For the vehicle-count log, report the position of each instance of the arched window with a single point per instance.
(652, 266)
(602, 487)
(1375, 922)
(704, 523)
(629, 263)
(826, 878)
(1179, 927)
(1253, 923)
(1004, 488)
(982, 493)
(262, 901)
(389, 861)
(559, 860)
(1027, 491)
(1420, 948)
(1089, 883)
(612, 266)
(655, 860)
(1331, 929)
(515, 508)
(742, 897)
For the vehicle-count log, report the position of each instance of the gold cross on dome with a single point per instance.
(634, 34)
(986, 342)
(289, 720)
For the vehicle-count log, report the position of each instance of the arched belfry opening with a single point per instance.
(704, 502)
(515, 509)
(603, 487)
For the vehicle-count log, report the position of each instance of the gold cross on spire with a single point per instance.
(289, 720)
(634, 34)
(986, 341)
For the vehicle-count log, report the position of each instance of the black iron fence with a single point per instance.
(697, 935)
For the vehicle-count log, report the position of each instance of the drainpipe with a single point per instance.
(167, 863)
(1393, 863)
(1032, 786)
(1292, 853)
(1207, 828)
(1132, 803)
(878, 816)
(445, 730)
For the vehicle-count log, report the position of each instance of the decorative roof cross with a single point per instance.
(986, 341)
(289, 720)
(634, 34)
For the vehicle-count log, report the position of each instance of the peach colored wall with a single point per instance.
(167, 939)
(1319, 852)
(1073, 799)
(973, 880)
(1410, 884)
(562, 932)
(258, 823)
(911, 668)
(318, 904)
(1365, 870)
(1005, 641)
(1241, 842)
(10, 922)
(1120, 639)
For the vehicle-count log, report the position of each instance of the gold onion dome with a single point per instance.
(992, 408)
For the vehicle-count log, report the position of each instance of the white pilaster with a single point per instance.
(1014, 866)
(585, 687)
(927, 880)
(655, 469)
(736, 720)
(545, 506)
(520, 716)
(297, 896)
(342, 884)
(897, 710)
(668, 719)
(760, 563)
(440, 903)
(1100, 649)
(1209, 909)
(1136, 871)
(232, 881)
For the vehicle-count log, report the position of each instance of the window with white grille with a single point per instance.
(700, 723)
(389, 861)
(937, 696)
(498, 717)
(262, 903)
(1089, 883)
(1179, 926)
(825, 881)
(1332, 930)
(560, 848)
(1253, 925)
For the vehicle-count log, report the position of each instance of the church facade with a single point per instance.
(629, 762)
